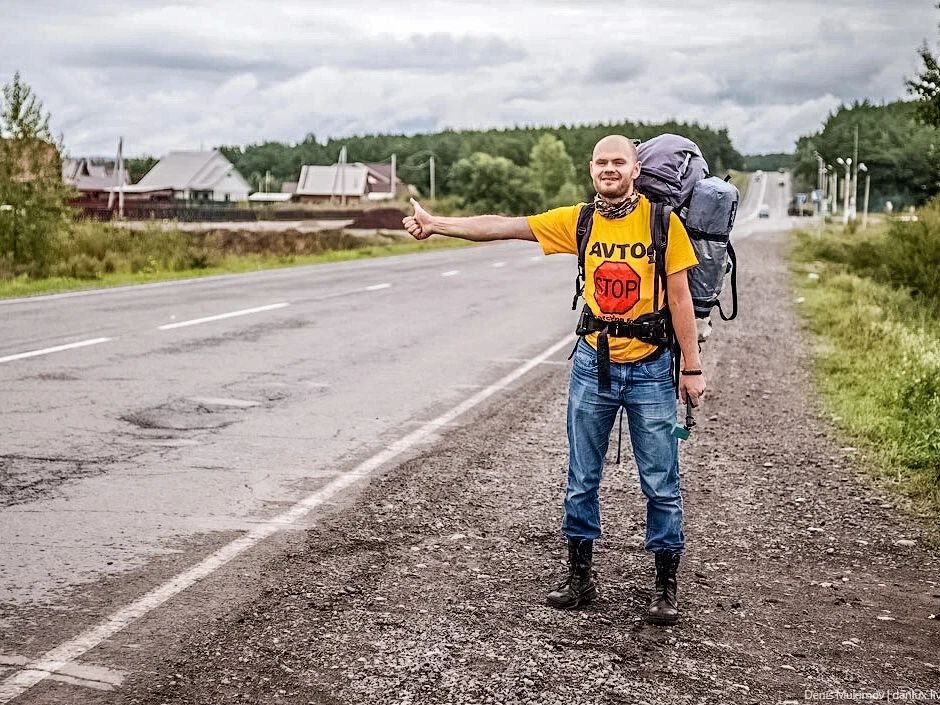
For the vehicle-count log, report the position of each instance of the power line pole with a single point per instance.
(339, 175)
(431, 163)
(392, 188)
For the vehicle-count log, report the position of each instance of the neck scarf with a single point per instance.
(613, 211)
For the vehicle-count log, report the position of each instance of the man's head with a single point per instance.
(614, 167)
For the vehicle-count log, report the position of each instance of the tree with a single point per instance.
(926, 86)
(34, 211)
(551, 167)
(901, 153)
(488, 184)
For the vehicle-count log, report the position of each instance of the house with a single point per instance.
(380, 179)
(356, 181)
(318, 184)
(93, 181)
(195, 176)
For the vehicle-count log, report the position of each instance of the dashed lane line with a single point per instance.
(223, 316)
(377, 287)
(450, 273)
(497, 265)
(59, 658)
(54, 349)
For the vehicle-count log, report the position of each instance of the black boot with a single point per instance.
(664, 607)
(579, 588)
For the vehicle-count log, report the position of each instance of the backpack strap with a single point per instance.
(659, 230)
(582, 235)
(659, 233)
(734, 286)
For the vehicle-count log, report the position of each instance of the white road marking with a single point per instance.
(499, 264)
(57, 659)
(450, 273)
(222, 316)
(537, 258)
(377, 287)
(54, 349)
(95, 677)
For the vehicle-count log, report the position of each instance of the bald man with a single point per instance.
(612, 370)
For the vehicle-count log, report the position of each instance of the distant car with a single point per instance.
(782, 182)
(763, 211)
(782, 170)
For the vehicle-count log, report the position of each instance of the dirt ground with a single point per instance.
(802, 580)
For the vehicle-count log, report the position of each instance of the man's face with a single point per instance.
(613, 170)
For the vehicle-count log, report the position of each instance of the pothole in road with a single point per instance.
(26, 478)
(183, 415)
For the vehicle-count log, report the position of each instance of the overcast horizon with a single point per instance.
(172, 76)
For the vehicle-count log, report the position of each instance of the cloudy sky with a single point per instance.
(207, 72)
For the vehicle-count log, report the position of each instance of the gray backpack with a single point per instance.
(675, 173)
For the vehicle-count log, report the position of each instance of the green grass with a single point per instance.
(24, 285)
(877, 349)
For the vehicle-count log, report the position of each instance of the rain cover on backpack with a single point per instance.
(710, 219)
(671, 166)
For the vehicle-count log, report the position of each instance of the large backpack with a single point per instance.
(675, 173)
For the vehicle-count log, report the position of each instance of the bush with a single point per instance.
(876, 307)
(905, 255)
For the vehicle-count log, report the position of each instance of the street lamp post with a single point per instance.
(863, 168)
(834, 191)
(820, 181)
(847, 185)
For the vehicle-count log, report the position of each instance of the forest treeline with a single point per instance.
(413, 152)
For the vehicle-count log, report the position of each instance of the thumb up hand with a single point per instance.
(419, 225)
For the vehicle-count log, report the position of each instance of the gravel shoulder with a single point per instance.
(800, 577)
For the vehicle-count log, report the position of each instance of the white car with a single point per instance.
(763, 211)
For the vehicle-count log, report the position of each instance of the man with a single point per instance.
(619, 285)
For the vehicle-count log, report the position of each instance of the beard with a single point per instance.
(613, 191)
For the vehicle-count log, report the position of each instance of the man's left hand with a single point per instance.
(691, 386)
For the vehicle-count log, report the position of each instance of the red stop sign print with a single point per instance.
(616, 287)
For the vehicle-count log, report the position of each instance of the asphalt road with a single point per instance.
(146, 427)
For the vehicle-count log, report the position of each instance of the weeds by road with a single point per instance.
(872, 300)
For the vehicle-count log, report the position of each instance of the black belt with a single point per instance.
(650, 329)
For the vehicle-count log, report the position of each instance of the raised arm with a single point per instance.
(479, 228)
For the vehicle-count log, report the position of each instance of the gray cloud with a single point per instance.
(436, 53)
(616, 67)
(120, 58)
(170, 75)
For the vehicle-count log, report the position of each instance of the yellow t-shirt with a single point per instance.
(618, 275)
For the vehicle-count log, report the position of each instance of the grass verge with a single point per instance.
(154, 269)
(877, 348)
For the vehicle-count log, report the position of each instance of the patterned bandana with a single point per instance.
(613, 211)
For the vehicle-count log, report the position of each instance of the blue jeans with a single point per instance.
(645, 390)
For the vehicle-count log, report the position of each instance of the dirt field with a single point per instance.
(801, 578)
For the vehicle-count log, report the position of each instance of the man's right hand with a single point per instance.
(419, 224)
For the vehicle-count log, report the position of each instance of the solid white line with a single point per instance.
(377, 287)
(221, 316)
(62, 655)
(450, 273)
(55, 349)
